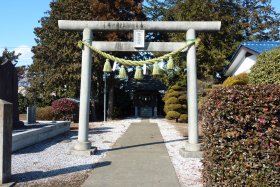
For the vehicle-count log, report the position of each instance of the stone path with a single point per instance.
(139, 158)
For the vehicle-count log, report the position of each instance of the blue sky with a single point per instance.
(18, 19)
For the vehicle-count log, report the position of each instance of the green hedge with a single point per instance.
(267, 68)
(241, 127)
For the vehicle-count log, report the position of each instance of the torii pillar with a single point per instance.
(192, 147)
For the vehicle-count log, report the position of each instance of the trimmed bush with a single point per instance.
(183, 118)
(241, 79)
(176, 87)
(175, 102)
(267, 68)
(241, 127)
(183, 98)
(172, 100)
(172, 115)
(172, 107)
(45, 113)
(65, 108)
(174, 94)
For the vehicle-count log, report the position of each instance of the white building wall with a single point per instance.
(246, 65)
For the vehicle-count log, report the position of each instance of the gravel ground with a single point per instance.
(49, 163)
(188, 170)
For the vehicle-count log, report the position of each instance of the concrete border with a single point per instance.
(33, 136)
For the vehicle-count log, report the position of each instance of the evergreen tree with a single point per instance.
(216, 46)
(117, 10)
(259, 20)
(156, 9)
(57, 59)
(241, 20)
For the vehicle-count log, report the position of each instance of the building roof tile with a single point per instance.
(260, 47)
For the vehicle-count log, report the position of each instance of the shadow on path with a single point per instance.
(100, 130)
(139, 145)
(36, 175)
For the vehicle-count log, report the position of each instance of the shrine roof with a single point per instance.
(148, 83)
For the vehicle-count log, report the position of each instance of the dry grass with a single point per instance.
(22, 117)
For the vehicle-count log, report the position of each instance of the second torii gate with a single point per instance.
(83, 146)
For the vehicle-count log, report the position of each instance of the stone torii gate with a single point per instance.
(83, 146)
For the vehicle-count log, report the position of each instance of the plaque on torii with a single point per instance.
(83, 146)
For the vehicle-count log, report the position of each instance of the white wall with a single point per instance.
(246, 64)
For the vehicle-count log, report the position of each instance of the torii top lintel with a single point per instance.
(168, 26)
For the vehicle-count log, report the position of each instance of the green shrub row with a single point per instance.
(241, 144)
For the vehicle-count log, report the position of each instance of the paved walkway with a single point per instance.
(139, 158)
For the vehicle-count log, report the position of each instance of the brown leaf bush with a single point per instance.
(65, 108)
(241, 144)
